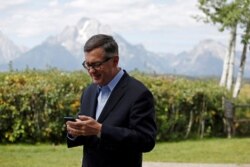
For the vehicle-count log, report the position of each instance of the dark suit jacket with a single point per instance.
(128, 126)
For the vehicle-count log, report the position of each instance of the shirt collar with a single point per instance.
(115, 80)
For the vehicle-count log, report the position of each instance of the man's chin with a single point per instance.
(96, 81)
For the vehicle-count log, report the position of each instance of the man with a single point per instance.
(116, 123)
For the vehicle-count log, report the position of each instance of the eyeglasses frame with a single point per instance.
(96, 65)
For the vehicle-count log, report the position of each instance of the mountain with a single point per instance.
(131, 56)
(47, 55)
(65, 51)
(74, 37)
(206, 58)
(8, 50)
(137, 57)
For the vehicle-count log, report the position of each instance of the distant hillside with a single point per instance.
(65, 51)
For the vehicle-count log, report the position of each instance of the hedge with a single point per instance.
(33, 104)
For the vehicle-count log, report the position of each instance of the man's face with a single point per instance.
(103, 73)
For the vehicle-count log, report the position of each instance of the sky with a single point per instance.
(159, 25)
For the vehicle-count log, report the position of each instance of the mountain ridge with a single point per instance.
(8, 49)
(205, 59)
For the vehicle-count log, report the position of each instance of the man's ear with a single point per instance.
(116, 60)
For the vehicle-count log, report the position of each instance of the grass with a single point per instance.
(203, 151)
(40, 155)
(200, 151)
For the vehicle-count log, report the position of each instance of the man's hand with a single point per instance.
(84, 126)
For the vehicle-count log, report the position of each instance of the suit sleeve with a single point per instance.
(87, 101)
(74, 141)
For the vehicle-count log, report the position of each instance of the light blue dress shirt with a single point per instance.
(105, 92)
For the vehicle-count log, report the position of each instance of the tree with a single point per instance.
(244, 7)
(225, 14)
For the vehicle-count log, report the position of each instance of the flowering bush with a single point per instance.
(33, 104)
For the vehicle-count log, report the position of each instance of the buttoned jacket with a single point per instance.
(128, 125)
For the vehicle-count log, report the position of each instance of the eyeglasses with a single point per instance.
(96, 65)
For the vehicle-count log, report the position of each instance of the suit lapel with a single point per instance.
(115, 97)
(93, 101)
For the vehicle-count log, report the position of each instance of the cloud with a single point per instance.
(135, 19)
(32, 22)
(53, 3)
(5, 4)
(138, 14)
(129, 15)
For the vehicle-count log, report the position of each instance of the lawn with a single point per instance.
(203, 151)
(199, 151)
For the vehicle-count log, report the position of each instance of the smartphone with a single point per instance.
(69, 119)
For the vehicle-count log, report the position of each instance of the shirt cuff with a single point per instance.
(70, 137)
(99, 135)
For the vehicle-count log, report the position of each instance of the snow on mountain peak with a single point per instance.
(74, 37)
(90, 27)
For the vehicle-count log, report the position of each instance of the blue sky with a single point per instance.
(159, 25)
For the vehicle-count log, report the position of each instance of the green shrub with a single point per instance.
(33, 103)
